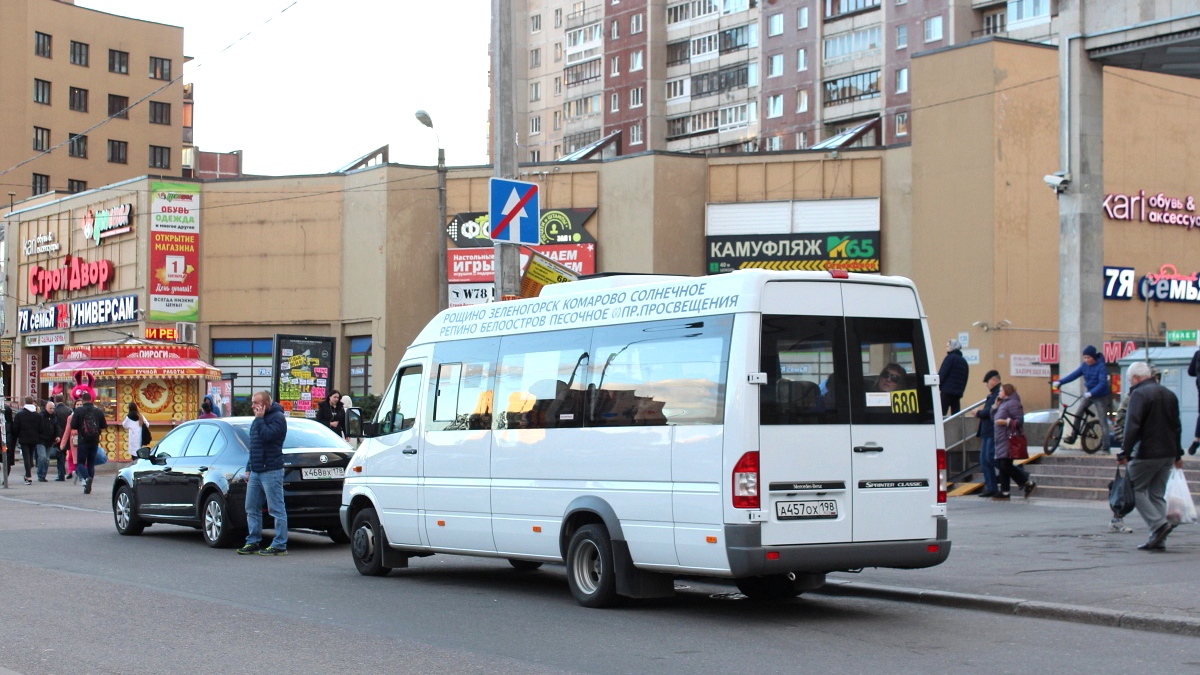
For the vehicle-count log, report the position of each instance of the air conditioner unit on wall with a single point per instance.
(185, 332)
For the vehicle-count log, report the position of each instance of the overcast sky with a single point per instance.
(327, 81)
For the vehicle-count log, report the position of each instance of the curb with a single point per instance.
(1158, 623)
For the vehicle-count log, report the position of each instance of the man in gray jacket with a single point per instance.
(1151, 448)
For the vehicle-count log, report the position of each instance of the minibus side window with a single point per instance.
(660, 373)
(889, 385)
(399, 413)
(804, 360)
(540, 382)
(461, 388)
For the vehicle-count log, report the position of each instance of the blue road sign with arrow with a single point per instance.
(513, 211)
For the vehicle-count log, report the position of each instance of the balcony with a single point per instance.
(588, 15)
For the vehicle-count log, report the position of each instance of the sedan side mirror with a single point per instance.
(145, 452)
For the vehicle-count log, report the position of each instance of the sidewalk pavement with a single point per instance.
(1045, 558)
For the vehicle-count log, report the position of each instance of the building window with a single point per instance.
(42, 44)
(558, 86)
(535, 125)
(160, 69)
(775, 25)
(558, 18)
(41, 183)
(902, 124)
(77, 147)
(535, 91)
(852, 88)
(775, 65)
(775, 106)
(160, 157)
(614, 66)
(535, 57)
(557, 52)
(677, 88)
(801, 100)
(41, 91)
(725, 79)
(76, 186)
(995, 23)
(933, 28)
(118, 152)
(1023, 10)
(834, 8)
(535, 23)
(801, 140)
(253, 363)
(79, 99)
(557, 120)
(739, 37)
(635, 134)
(852, 44)
(802, 18)
(580, 73)
(901, 37)
(615, 32)
(902, 81)
(614, 103)
(635, 24)
(79, 53)
(535, 155)
(732, 6)
(160, 113)
(801, 60)
(705, 46)
(118, 62)
(635, 97)
(773, 143)
(118, 106)
(635, 61)
(41, 138)
(557, 151)
(901, 2)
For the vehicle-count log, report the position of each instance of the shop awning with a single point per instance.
(64, 371)
(168, 368)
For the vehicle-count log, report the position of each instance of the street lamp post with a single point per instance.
(443, 291)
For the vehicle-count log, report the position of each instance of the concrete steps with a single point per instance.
(1071, 474)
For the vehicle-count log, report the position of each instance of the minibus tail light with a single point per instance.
(745, 482)
(941, 476)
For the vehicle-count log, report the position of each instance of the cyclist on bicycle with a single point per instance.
(1098, 394)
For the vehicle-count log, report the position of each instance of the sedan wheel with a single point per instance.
(215, 524)
(127, 521)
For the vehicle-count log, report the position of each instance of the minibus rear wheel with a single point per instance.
(590, 571)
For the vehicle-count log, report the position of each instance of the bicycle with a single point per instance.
(1084, 425)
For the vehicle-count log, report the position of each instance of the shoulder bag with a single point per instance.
(146, 436)
(1018, 445)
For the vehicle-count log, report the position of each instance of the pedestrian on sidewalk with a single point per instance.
(1194, 371)
(1098, 395)
(952, 378)
(265, 484)
(69, 443)
(1008, 415)
(986, 434)
(88, 421)
(50, 439)
(28, 423)
(331, 413)
(62, 415)
(1151, 448)
(133, 424)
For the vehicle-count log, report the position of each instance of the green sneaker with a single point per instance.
(271, 550)
(248, 549)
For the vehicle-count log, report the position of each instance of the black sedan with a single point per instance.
(196, 477)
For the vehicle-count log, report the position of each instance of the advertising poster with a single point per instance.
(556, 226)
(474, 265)
(174, 252)
(850, 251)
(304, 372)
(221, 394)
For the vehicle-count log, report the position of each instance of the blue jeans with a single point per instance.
(43, 461)
(266, 486)
(987, 462)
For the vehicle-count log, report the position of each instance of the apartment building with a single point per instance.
(616, 77)
(87, 98)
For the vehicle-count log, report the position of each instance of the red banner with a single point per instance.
(474, 265)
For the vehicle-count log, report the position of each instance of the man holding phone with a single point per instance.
(265, 481)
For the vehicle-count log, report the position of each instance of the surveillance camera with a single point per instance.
(1058, 181)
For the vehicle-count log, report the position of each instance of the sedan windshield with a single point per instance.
(300, 434)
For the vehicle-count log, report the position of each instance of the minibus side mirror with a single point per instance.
(354, 423)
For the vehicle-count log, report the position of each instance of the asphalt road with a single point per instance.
(78, 598)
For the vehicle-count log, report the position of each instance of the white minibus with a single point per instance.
(763, 427)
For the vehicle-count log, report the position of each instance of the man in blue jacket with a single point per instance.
(1098, 392)
(265, 482)
(952, 377)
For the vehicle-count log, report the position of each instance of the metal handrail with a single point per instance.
(960, 418)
